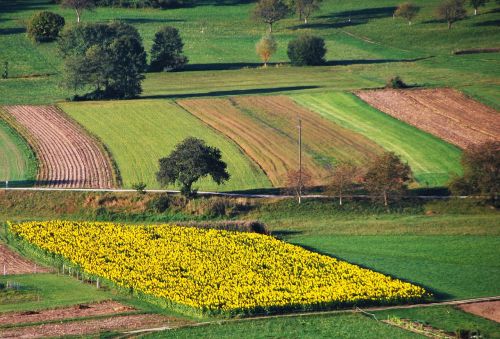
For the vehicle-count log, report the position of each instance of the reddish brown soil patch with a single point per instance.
(15, 264)
(446, 113)
(265, 127)
(486, 309)
(77, 311)
(92, 326)
(69, 157)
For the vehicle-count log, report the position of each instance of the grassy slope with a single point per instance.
(228, 40)
(431, 159)
(17, 159)
(138, 133)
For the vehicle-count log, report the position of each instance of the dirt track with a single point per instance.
(68, 156)
(487, 309)
(15, 264)
(445, 113)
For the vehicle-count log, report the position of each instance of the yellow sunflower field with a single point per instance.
(215, 271)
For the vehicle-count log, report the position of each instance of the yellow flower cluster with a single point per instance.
(213, 270)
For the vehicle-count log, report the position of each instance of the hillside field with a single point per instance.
(139, 133)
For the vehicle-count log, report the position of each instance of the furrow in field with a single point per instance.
(69, 157)
(445, 113)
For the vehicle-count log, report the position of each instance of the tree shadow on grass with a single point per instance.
(494, 23)
(362, 14)
(11, 6)
(328, 25)
(228, 92)
(12, 30)
(149, 20)
(372, 61)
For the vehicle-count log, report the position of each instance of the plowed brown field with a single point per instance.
(445, 113)
(265, 127)
(68, 156)
(15, 264)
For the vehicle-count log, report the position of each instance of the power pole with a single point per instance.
(300, 160)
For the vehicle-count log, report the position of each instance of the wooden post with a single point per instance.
(4, 268)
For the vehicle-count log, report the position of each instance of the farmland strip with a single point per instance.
(69, 157)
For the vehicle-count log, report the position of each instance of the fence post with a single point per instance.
(4, 269)
(97, 283)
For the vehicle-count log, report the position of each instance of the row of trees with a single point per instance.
(449, 10)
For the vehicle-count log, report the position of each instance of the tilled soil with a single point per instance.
(93, 326)
(69, 157)
(16, 264)
(486, 309)
(445, 113)
(77, 311)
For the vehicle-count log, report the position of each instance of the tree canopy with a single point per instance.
(45, 26)
(191, 160)
(451, 11)
(270, 11)
(107, 58)
(266, 47)
(407, 11)
(166, 53)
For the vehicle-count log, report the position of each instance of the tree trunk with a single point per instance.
(340, 198)
(409, 23)
(449, 24)
(475, 11)
(385, 198)
(305, 20)
(77, 15)
(270, 27)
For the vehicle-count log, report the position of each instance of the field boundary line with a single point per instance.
(228, 194)
(304, 314)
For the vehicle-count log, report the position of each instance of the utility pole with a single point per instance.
(300, 160)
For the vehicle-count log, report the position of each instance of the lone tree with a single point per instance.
(407, 11)
(78, 6)
(307, 50)
(297, 181)
(304, 8)
(266, 47)
(45, 26)
(270, 11)
(166, 53)
(190, 161)
(481, 164)
(476, 4)
(108, 59)
(451, 11)
(387, 175)
(344, 177)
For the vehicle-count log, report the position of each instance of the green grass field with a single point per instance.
(17, 159)
(432, 160)
(140, 132)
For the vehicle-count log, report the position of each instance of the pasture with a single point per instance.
(139, 133)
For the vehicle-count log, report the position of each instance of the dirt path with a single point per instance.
(77, 311)
(445, 113)
(13, 263)
(92, 326)
(68, 156)
(487, 309)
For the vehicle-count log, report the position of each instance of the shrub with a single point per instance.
(166, 53)
(395, 82)
(160, 204)
(140, 187)
(45, 26)
(307, 50)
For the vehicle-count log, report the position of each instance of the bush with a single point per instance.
(307, 50)
(166, 53)
(45, 26)
(395, 83)
(160, 204)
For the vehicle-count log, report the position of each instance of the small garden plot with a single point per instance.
(212, 271)
(13, 263)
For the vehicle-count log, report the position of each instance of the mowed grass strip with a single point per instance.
(17, 161)
(431, 159)
(266, 127)
(140, 132)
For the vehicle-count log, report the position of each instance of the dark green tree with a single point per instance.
(307, 50)
(109, 59)
(481, 164)
(191, 160)
(45, 26)
(451, 11)
(166, 53)
(270, 11)
(476, 4)
(387, 175)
